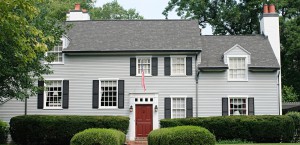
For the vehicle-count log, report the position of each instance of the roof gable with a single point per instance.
(237, 50)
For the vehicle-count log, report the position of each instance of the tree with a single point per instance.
(289, 94)
(225, 16)
(113, 10)
(27, 33)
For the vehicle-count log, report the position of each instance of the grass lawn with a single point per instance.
(264, 144)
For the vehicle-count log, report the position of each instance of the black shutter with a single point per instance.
(132, 66)
(189, 107)
(96, 94)
(40, 95)
(66, 94)
(167, 107)
(154, 66)
(224, 106)
(189, 67)
(121, 88)
(167, 66)
(251, 106)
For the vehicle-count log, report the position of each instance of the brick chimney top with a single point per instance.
(272, 8)
(269, 9)
(266, 9)
(77, 6)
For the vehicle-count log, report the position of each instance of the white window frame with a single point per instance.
(178, 96)
(100, 93)
(238, 97)
(63, 45)
(137, 65)
(246, 67)
(45, 95)
(171, 65)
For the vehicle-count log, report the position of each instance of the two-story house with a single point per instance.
(155, 69)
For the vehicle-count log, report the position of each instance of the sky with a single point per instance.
(149, 9)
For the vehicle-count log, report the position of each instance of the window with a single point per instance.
(53, 94)
(178, 107)
(237, 68)
(57, 53)
(109, 93)
(238, 106)
(178, 66)
(144, 63)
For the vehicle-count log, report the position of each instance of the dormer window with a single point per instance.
(237, 69)
(56, 52)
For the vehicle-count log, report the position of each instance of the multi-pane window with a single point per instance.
(178, 108)
(237, 68)
(53, 94)
(56, 52)
(109, 93)
(238, 106)
(178, 66)
(144, 64)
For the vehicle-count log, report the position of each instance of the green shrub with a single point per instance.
(97, 136)
(265, 128)
(296, 118)
(181, 135)
(58, 130)
(3, 132)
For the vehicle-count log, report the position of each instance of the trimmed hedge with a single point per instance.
(58, 130)
(98, 136)
(266, 128)
(3, 132)
(181, 135)
(296, 118)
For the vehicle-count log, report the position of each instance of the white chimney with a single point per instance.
(78, 14)
(269, 26)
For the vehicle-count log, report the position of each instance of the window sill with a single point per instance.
(237, 80)
(178, 75)
(53, 109)
(145, 75)
(108, 108)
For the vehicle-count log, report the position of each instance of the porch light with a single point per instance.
(131, 108)
(155, 108)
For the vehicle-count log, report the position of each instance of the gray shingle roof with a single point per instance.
(262, 55)
(134, 35)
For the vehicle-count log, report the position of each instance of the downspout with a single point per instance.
(279, 91)
(196, 79)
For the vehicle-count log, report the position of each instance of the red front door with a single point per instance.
(143, 120)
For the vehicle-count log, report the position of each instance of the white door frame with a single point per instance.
(142, 98)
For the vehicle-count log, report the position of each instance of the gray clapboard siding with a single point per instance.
(81, 70)
(262, 86)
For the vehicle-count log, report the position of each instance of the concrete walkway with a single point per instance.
(137, 143)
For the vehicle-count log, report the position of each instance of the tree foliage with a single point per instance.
(28, 30)
(225, 16)
(289, 94)
(113, 11)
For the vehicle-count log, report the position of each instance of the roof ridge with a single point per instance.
(187, 20)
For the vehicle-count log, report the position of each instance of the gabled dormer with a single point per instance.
(237, 58)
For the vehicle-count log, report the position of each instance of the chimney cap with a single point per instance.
(272, 8)
(77, 6)
(266, 9)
